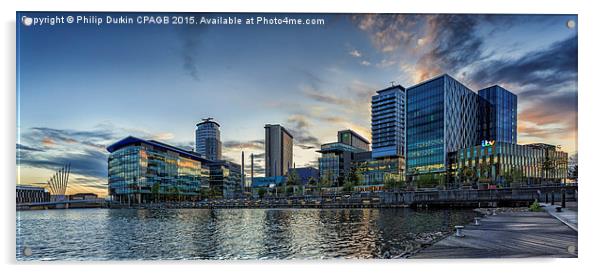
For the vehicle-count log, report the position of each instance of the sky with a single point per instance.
(82, 87)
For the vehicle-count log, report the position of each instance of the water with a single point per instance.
(192, 234)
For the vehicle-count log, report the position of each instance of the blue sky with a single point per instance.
(83, 87)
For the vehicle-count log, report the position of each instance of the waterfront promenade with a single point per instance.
(510, 235)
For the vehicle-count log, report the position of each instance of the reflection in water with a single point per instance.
(124, 234)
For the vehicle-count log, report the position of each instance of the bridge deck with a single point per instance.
(509, 235)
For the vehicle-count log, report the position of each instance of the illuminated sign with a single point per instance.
(487, 143)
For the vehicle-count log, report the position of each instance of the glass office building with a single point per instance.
(354, 139)
(374, 172)
(336, 160)
(226, 179)
(498, 115)
(503, 164)
(142, 171)
(442, 117)
(388, 122)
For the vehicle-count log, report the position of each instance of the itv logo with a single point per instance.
(487, 143)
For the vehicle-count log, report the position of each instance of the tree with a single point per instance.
(484, 168)
(323, 183)
(391, 183)
(292, 180)
(312, 183)
(261, 192)
(572, 168)
(155, 190)
(205, 193)
(546, 165)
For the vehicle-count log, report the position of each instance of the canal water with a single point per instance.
(192, 234)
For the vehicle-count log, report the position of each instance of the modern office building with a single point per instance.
(225, 179)
(442, 117)
(278, 150)
(502, 163)
(498, 115)
(374, 172)
(31, 194)
(208, 139)
(336, 161)
(143, 171)
(354, 139)
(389, 122)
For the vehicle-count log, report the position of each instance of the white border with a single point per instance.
(589, 131)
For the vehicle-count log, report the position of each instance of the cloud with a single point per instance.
(355, 53)
(251, 144)
(389, 32)
(300, 129)
(91, 163)
(49, 137)
(365, 63)
(550, 67)
(27, 148)
(454, 44)
(325, 97)
(190, 37)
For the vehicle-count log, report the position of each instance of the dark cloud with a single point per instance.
(327, 97)
(90, 162)
(190, 37)
(299, 127)
(251, 144)
(48, 136)
(550, 67)
(305, 147)
(22, 147)
(454, 45)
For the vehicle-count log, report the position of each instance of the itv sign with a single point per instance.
(487, 143)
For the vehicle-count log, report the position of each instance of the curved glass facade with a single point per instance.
(143, 172)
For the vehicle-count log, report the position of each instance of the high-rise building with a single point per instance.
(208, 143)
(278, 150)
(498, 116)
(442, 117)
(388, 122)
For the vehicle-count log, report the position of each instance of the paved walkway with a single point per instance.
(567, 216)
(509, 235)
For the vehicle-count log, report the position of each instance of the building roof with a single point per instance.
(355, 134)
(278, 125)
(389, 88)
(338, 147)
(130, 140)
(208, 120)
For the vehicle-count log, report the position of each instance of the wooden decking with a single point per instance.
(509, 235)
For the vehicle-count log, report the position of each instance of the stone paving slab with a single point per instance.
(508, 235)
(568, 216)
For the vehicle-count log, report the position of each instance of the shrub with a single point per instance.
(535, 206)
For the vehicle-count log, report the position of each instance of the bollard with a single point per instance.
(552, 198)
(563, 200)
(476, 221)
(459, 231)
(494, 212)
